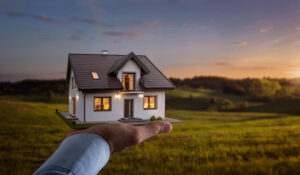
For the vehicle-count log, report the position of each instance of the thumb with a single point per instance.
(153, 128)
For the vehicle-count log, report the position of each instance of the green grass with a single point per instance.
(286, 106)
(29, 133)
(206, 143)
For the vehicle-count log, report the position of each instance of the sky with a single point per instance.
(183, 38)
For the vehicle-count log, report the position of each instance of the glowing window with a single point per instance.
(97, 104)
(95, 75)
(102, 104)
(106, 104)
(146, 104)
(128, 81)
(150, 102)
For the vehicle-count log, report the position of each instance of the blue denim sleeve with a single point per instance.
(77, 155)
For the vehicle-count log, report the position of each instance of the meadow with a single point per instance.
(206, 143)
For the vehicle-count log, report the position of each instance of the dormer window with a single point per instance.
(95, 75)
(128, 81)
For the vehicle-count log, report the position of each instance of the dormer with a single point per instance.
(129, 70)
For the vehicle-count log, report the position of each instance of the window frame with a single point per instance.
(73, 82)
(155, 102)
(102, 109)
(134, 76)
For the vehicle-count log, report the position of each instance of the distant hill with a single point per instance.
(33, 87)
(296, 81)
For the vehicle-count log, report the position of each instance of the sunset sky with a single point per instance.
(184, 38)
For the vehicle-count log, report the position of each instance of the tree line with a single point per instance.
(264, 89)
(256, 89)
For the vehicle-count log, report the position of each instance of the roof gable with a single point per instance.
(121, 62)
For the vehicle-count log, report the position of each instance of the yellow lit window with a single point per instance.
(128, 81)
(95, 75)
(97, 104)
(102, 104)
(106, 104)
(150, 102)
(146, 104)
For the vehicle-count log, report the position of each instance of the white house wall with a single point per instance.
(74, 93)
(117, 106)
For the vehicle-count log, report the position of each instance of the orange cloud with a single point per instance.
(221, 63)
(241, 43)
(265, 29)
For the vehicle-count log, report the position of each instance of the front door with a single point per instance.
(128, 105)
(74, 106)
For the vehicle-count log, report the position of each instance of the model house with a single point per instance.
(108, 87)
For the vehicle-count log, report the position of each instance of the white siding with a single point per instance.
(74, 93)
(117, 106)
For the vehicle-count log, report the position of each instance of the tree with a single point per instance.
(263, 89)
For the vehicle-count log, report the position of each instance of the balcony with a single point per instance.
(132, 92)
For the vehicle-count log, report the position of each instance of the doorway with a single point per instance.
(128, 106)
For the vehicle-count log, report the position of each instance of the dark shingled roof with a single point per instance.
(107, 66)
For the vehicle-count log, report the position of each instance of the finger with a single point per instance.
(153, 128)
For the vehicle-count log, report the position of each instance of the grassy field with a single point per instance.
(207, 143)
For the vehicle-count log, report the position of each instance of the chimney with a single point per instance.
(104, 51)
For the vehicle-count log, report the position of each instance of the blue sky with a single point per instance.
(234, 38)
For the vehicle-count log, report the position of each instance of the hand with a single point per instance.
(120, 136)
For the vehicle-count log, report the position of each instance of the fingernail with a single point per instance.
(168, 128)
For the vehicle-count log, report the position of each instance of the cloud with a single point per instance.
(222, 63)
(75, 37)
(44, 38)
(241, 43)
(143, 24)
(257, 67)
(48, 19)
(265, 29)
(42, 18)
(188, 26)
(117, 41)
(129, 35)
(92, 22)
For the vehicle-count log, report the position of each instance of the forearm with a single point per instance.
(78, 154)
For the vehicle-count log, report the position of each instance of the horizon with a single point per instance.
(171, 77)
(190, 38)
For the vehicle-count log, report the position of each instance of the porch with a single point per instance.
(73, 121)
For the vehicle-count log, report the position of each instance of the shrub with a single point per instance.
(159, 118)
(153, 118)
(213, 100)
(233, 88)
(241, 106)
(245, 105)
(227, 104)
